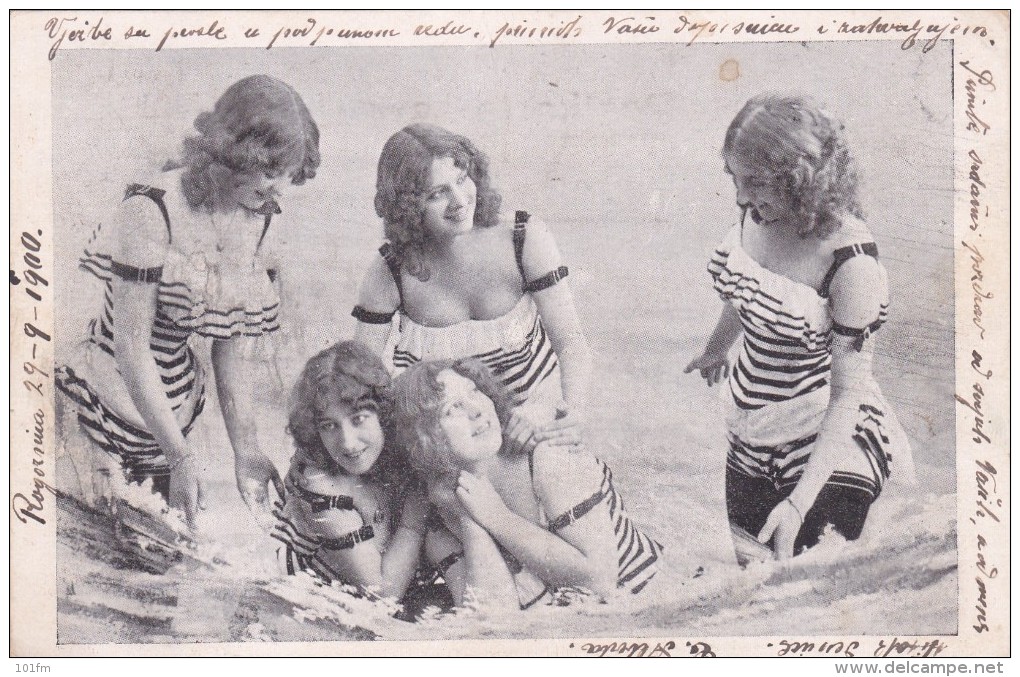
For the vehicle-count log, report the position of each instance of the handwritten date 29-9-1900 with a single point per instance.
(29, 505)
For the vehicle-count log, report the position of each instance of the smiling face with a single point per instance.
(468, 419)
(353, 438)
(449, 200)
(760, 192)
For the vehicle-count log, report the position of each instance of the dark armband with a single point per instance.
(348, 541)
(371, 317)
(132, 274)
(860, 335)
(548, 280)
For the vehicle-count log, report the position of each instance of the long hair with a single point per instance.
(351, 375)
(804, 147)
(417, 398)
(260, 126)
(403, 182)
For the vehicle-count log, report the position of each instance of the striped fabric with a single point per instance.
(192, 311)
(638, 551)
(300, 550)
(785, 350)
(514, 347)
(780, 380)
(195, 296)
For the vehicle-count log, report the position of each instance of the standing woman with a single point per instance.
(183, 256)
(812, 440)
(467, 282)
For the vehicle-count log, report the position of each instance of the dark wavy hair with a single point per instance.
(417, 398)
(804, 148)
(349, 374)
(259, 126)
(403, 182)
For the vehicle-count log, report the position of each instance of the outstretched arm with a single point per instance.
(235, 380)
(713, 363)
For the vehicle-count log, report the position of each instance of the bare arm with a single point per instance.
(581, 554)
(560, 317)
(856, 298)
(378, 294)
(713, 363)
(235, 380)
(386, 574)
(480, 573)
(144, 245)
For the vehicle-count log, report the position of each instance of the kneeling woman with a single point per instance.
(554, 512)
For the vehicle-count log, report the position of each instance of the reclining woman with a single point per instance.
(554, 512)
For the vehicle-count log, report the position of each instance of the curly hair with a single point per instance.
(351, 375)
(804, 148)
(403, 182)
(260, 126)
(417, 398)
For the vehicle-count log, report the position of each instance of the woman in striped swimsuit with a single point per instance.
(184, 257)
(554, 513)
(466, 283)
(811, 438)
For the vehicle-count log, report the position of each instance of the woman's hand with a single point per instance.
(186, 489)
(443, 495)
(519, 435)
(713, 366)
(783, 523)
(567, 430)
(254, 472)
(479, 497)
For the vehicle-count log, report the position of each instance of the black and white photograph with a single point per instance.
(545, 329)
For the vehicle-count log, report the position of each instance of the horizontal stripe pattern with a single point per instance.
(783, 465)
(522, 367)
(785, 351)
(189, 311)
(138, 451)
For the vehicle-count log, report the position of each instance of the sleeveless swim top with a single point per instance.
(515, 346)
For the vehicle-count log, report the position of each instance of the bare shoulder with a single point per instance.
(541, 254)
(378, 291)
(564, 478)
(859, 288)
(853, 231)
(143, 236)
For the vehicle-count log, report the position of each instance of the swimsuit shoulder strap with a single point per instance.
(841, 256)
(154, 194)
(520, 232)
(393, 263)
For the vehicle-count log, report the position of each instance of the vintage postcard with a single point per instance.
(353, 333)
